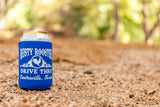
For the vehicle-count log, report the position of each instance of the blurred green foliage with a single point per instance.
(92, 19)
(20, 17)
(130, 14)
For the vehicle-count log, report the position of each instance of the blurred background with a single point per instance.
(120, 20)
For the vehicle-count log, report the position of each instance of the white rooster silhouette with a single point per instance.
(37, 61)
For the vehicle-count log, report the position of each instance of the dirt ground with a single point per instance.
(87, 73)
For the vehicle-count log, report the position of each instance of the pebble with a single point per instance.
(131, 96)
(88, 72)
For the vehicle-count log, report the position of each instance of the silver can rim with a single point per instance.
(35, 31)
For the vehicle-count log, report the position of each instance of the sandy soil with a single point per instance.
(87, 73)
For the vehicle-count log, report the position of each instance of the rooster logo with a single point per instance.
(37, 61)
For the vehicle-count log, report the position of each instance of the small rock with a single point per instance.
(67, 60)
(111, 79)
(59, 87)
(131, 96)
(9, 61)
(24, 100)
(2, 81)
(39, 103)
(1, 96)
(150, 92)
(88, 72)
(56, 60)
(34, 98)
(11, 84)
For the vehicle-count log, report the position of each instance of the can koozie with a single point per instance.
(35, 65)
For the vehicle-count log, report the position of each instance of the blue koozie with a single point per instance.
(35, 65)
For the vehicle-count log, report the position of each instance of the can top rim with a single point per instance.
(35, 31)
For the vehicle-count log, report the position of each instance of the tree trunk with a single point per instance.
(145, 17)
(2, 11)
(148, 32)
(117, 19)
